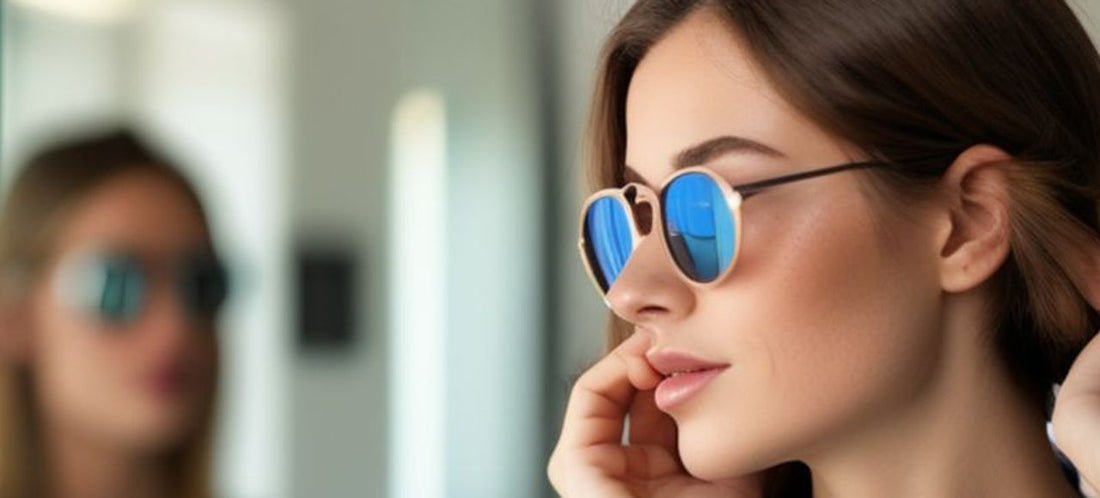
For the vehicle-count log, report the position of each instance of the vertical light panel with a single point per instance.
(418, 297)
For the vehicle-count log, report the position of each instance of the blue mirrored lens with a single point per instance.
(699, 226)
(609, 239)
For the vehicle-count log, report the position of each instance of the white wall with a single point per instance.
(1089, 12)
(207, 77)
(342, 92)
(43, 57)
(353, 63)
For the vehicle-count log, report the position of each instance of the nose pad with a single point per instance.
(642, 209)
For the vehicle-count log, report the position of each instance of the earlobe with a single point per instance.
(977, 205)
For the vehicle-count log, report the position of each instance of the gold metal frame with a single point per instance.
(645, 194)
(734, 196)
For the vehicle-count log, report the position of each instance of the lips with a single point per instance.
(685, 375)
(167, 381)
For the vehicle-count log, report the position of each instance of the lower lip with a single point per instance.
(167, 384)
(675, 391)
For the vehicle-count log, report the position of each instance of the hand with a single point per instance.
(1076, 416)
(591, 460)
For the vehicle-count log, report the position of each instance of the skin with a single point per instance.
(106, 429)
(855, 337)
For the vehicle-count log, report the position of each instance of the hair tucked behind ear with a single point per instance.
(1043, 320)
(919, 78)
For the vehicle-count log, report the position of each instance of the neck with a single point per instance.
(967, 432)
(79, 468)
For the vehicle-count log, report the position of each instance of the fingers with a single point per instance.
(649, 425)
(602, 396)
(631, 462)
(642, 376)
(649, 461)
(591, 436)
(1076, 416)
(1084, 375)
(1077, 432)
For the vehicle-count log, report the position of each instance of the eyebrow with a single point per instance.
(709, 150)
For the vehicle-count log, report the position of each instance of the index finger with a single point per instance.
(602, 396)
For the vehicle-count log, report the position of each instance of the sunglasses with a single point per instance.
(698, 216)
(116, 287)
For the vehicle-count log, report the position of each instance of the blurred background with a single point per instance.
(396, 184)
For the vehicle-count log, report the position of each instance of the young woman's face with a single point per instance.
(139, 384)
(829, 321)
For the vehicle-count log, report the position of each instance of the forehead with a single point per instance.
(136, 211)
(699, 82)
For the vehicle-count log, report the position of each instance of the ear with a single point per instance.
(975, 233)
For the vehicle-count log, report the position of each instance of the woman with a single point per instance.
(874, 223)
(109, 295)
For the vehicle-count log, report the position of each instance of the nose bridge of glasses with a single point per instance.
(647, 274)
(644, 206)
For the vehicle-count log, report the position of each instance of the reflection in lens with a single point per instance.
(609, 239)
(699, 226)
(123, 293)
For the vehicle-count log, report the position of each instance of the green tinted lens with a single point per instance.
(110, 287)
(122, 292)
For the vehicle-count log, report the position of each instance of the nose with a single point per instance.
(167, 320)
(648, 289)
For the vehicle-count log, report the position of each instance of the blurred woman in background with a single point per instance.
(109, 290)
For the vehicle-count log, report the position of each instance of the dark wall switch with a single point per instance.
(326, 298)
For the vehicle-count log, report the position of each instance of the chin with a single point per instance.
(157, 431)
(714, 452)
(160, 440)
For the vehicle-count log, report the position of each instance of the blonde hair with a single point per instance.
(40, 200)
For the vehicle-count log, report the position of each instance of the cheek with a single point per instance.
(78, 370)
(860, 313)
(839, 302)
(203, 355)
(832, 326)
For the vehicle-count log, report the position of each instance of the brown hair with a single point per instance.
(926, 78)
(42, 197)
